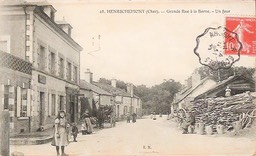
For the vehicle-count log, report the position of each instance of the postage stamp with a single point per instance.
(211, 47)
(245, 28)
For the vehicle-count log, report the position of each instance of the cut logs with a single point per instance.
(225, 111)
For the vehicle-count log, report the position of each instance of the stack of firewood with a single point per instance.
(223, 110)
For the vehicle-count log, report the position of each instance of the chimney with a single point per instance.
(113, 83)
(130, 89)
(88, 76)
(196, 78)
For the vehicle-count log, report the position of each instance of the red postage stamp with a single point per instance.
(245, 29)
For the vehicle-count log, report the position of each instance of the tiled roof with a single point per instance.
(87, 86)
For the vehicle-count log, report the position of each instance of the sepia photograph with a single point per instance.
(127, 78)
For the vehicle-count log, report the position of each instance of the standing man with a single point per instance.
(128, 118)
(101, 117)
(134, 117)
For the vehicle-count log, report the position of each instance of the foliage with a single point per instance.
(119, 83)
(159, 97)
(223, 74)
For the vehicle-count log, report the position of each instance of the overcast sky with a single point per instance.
(143, 48)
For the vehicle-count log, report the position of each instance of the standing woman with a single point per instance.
(87, 121)
(60, 137)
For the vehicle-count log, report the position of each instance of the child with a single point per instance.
(74, 131)
(83, 129)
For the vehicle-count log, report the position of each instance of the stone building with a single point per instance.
(29, 31)
(124, 101)
(93, 96)
(194, 87)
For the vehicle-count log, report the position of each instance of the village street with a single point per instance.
(146, 137)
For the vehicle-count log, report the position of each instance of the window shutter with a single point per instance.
(28, 102)
(57, 104)
(38, 104)
(49, 61)
(50, 105)
(18, 101)
(59, 66)
(11, 101)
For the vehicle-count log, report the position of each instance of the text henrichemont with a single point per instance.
(126, 11)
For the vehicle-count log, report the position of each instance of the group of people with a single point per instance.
(62, 128)
(133, 116)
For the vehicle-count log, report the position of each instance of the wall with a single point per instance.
(16, 79)
(14, 27)
(202, 88)
(49, 88)
(45, 36)
(105, 100)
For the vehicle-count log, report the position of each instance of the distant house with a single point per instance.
(125, 101)
(238, 84)
(93, 96)
(194, 87)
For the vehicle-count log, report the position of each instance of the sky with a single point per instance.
(143, 48)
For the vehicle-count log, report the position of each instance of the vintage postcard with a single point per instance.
(127, 77)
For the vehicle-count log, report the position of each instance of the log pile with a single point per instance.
(223, 110)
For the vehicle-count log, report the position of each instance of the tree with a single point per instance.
(222, 74)
(105, 81)
(159, 97)
(121, 84)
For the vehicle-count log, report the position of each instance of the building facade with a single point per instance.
(30, 32)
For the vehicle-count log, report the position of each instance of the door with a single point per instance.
(61, 104)
(72, 112)
(118, 111)
(41, 108)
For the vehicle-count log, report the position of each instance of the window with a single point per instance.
(61, 104)
(75, 74)
(69, 71)
(61, 67)
(41, 58)
(23, 109)
(53, 104)
(6, 97)
(52, 63)
(125, 110)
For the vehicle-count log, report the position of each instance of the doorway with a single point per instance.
(118, 111)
